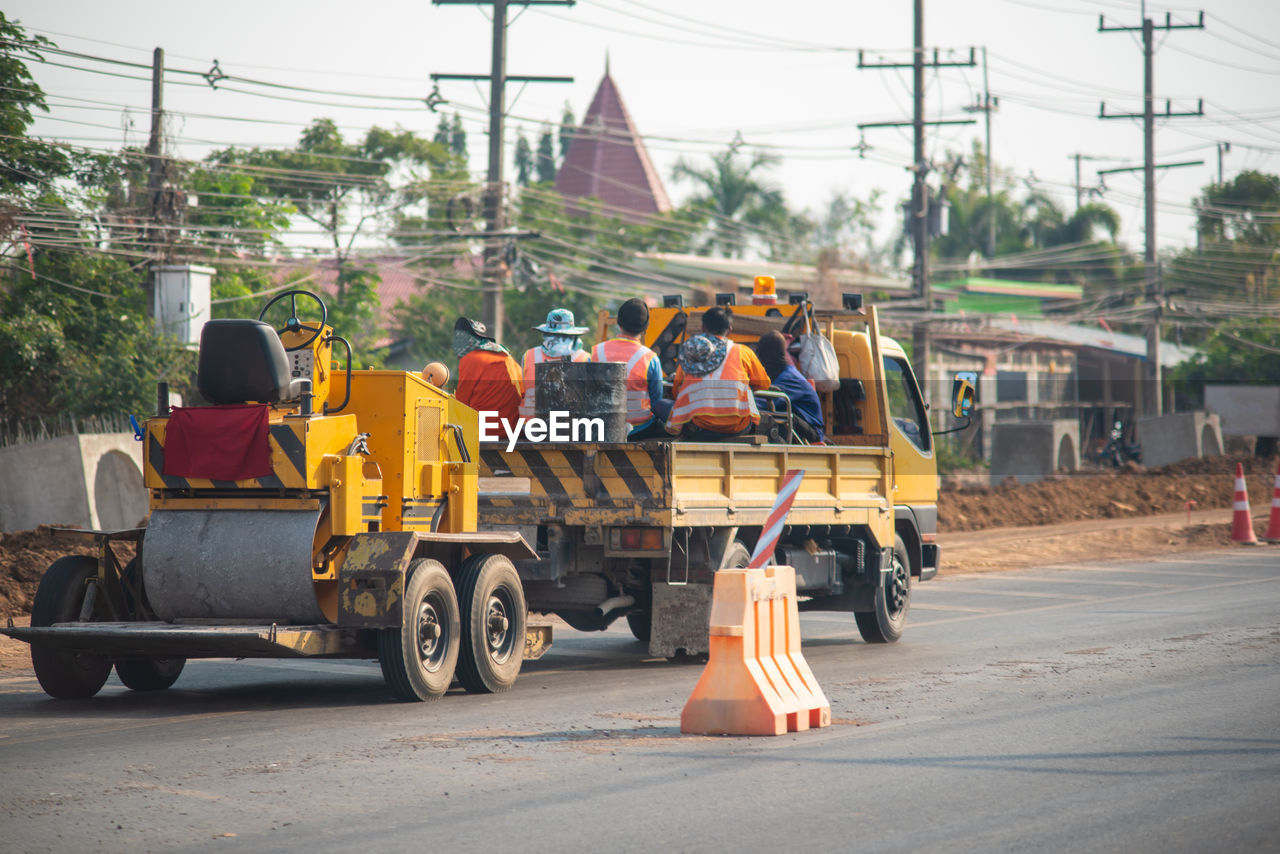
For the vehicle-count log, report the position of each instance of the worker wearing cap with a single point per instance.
(560, 339)
(488, 377)
(646, 409)
(714, 383)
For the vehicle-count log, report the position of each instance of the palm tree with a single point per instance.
(737, 198)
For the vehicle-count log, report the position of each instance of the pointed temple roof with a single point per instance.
(607, 159)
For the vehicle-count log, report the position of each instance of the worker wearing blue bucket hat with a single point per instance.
(560, 339)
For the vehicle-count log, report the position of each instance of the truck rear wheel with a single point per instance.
(494, 616)
(641, 625)
(419, 658)
(738, 555)
(59, 599)
(149, 674)
(893, 599)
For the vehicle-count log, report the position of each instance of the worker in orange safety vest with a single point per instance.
(714, 383)
(647, 410)
(560, 336)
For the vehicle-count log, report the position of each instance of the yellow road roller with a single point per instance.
(308, 510)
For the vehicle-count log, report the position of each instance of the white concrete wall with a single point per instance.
(90, 481)
(1246, 410)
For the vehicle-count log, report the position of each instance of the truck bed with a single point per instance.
(680, 484)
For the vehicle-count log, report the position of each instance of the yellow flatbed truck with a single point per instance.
(638, 530)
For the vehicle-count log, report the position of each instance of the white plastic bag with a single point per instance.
(817, 360)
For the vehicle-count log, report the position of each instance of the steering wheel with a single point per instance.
(293, 324)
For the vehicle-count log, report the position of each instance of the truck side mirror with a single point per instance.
(963, 393)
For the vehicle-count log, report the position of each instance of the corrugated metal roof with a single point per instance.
(1089, 336)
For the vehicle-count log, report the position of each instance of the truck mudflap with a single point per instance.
(931, 559)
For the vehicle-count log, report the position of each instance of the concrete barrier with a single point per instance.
(1030, 450)
(1246, 410)
(1180, 436)
(90, 481)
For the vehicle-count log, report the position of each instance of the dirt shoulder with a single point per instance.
(997, 549)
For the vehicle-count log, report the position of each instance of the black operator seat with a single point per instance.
(243, 360)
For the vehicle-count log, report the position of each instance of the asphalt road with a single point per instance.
(1130, 707)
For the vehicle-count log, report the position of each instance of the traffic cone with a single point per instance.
(1241, 520)
(1273, 525)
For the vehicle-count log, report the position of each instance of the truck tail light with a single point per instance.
(637, 539)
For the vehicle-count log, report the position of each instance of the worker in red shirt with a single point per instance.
(488, 378)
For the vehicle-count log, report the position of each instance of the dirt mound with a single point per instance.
(24, 556)
(1077, 497)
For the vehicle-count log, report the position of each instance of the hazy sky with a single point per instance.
(693, 75)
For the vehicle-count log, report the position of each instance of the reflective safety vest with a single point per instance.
(637, 358)
(726, 391)
(533, 357)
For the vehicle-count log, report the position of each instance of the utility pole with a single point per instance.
(1223, 148)
(155, 173)
(494, 212)
(919, 216)
(986, 104)
(1080, 188)
(1154, 288)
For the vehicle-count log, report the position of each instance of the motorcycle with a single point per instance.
(1116, 452)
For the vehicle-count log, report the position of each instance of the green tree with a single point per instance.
(568, 128)
(575, 263)
(848, 223)
(346, 188)
(523, 161)
(739, 200)
(24, 162)
(458, 138)
(76, 339)
(230, 215)
(1023, 221)
(1238, 259)
(546, 163)
(1235, 351)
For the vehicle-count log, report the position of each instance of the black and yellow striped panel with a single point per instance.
(371, 510)
(415, 512)
(288, 459)
(581, 476)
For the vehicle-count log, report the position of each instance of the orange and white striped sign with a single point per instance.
(772, 530)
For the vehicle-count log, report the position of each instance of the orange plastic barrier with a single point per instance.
(756, 681)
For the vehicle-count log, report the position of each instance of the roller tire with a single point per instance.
(419, 659)
(494, 617)
(58, 599)
(892, 602)
(145, 674)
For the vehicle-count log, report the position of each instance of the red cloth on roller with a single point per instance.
(218, 442)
